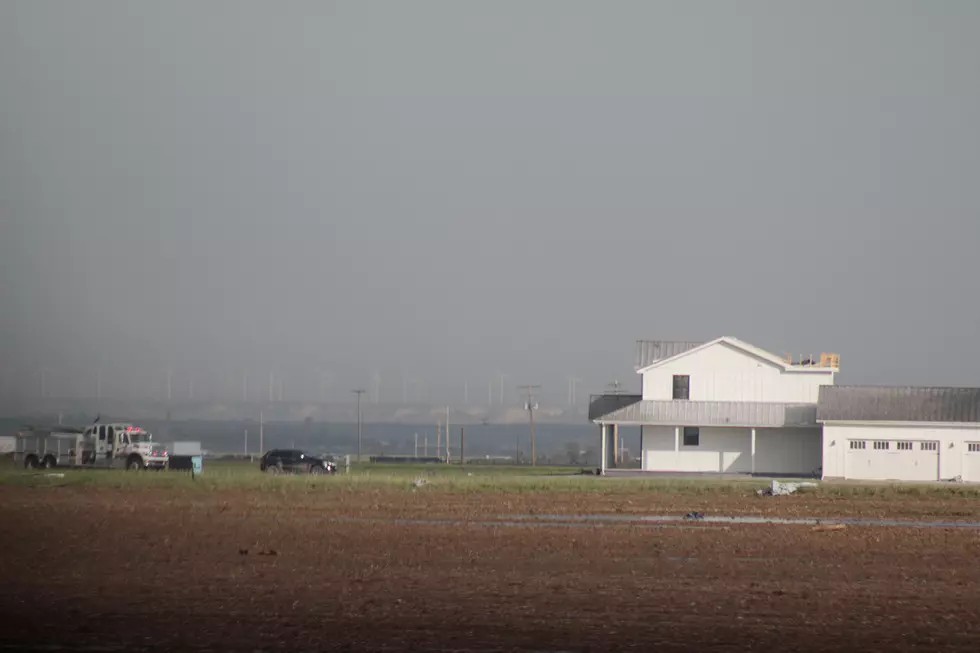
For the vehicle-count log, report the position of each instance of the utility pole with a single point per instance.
(462, 445)
(530, 407)
(358, 392)
(448, 459)
(261, 434)
(438, 438)
(416, 444)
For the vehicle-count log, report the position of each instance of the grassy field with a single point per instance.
(221, 475)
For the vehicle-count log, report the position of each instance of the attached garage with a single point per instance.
(900, 434)
(971, 462)
(888, 460)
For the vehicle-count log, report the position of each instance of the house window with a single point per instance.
(692, 436)
(858, 444)
(882, 445)
(682, 386)
(903, 446)
(929, 446)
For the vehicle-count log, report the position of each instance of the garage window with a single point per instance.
(858, 444)
(903, 446)
(929, 446)
(882, 446)
(973, 447)
(692, 436)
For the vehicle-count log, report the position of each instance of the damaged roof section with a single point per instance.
(844, 403)
(600, 405)
(651, 351)
(704, 413)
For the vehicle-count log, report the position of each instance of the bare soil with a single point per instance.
(97, 569)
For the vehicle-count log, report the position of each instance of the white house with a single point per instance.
(720, 406)
(892, 433)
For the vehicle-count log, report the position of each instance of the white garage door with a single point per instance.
(971, 462)
(892, 460)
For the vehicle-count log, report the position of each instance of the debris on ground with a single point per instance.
(781, 489)
(419, 482)
(694, 515)
(828, 527)
(269, 552)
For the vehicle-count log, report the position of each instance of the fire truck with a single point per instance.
(115, 445)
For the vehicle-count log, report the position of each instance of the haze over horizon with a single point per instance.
(446, 191)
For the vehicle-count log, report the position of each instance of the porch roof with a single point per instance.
(632, 410)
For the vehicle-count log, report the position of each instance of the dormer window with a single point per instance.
(682, 386)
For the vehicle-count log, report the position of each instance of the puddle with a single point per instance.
(518, 522)
(702, 522)
(742, 519)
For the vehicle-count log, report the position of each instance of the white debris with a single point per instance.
(781, 489)
(55, 475)
(419, 482)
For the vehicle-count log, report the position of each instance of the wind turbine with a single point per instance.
(502, 376)
(573, 382)
(326, 380)
(42, 373)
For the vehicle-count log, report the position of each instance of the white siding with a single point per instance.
(787, 451)
(840, 461)
(729, 450)
(725, 373)
(718, 450)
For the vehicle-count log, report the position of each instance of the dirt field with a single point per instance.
(245, 570)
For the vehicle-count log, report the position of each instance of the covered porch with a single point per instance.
(681, 436)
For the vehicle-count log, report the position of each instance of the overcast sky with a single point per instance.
(451, 189)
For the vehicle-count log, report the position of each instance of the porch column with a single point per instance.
(643, 455)
(753, 450)
(677, 439)
(602, 449)
(615, 438)
(609, 442)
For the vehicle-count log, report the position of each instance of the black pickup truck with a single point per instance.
(279, 461)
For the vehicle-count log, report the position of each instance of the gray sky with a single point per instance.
(455, 188)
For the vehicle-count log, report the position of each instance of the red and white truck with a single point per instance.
(113, 445)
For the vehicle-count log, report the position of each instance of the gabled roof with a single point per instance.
(844, 403)
(752, 350)
(651, 351)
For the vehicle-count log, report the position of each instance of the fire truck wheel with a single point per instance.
(134, 464)
(49, 462)
(30, 462)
